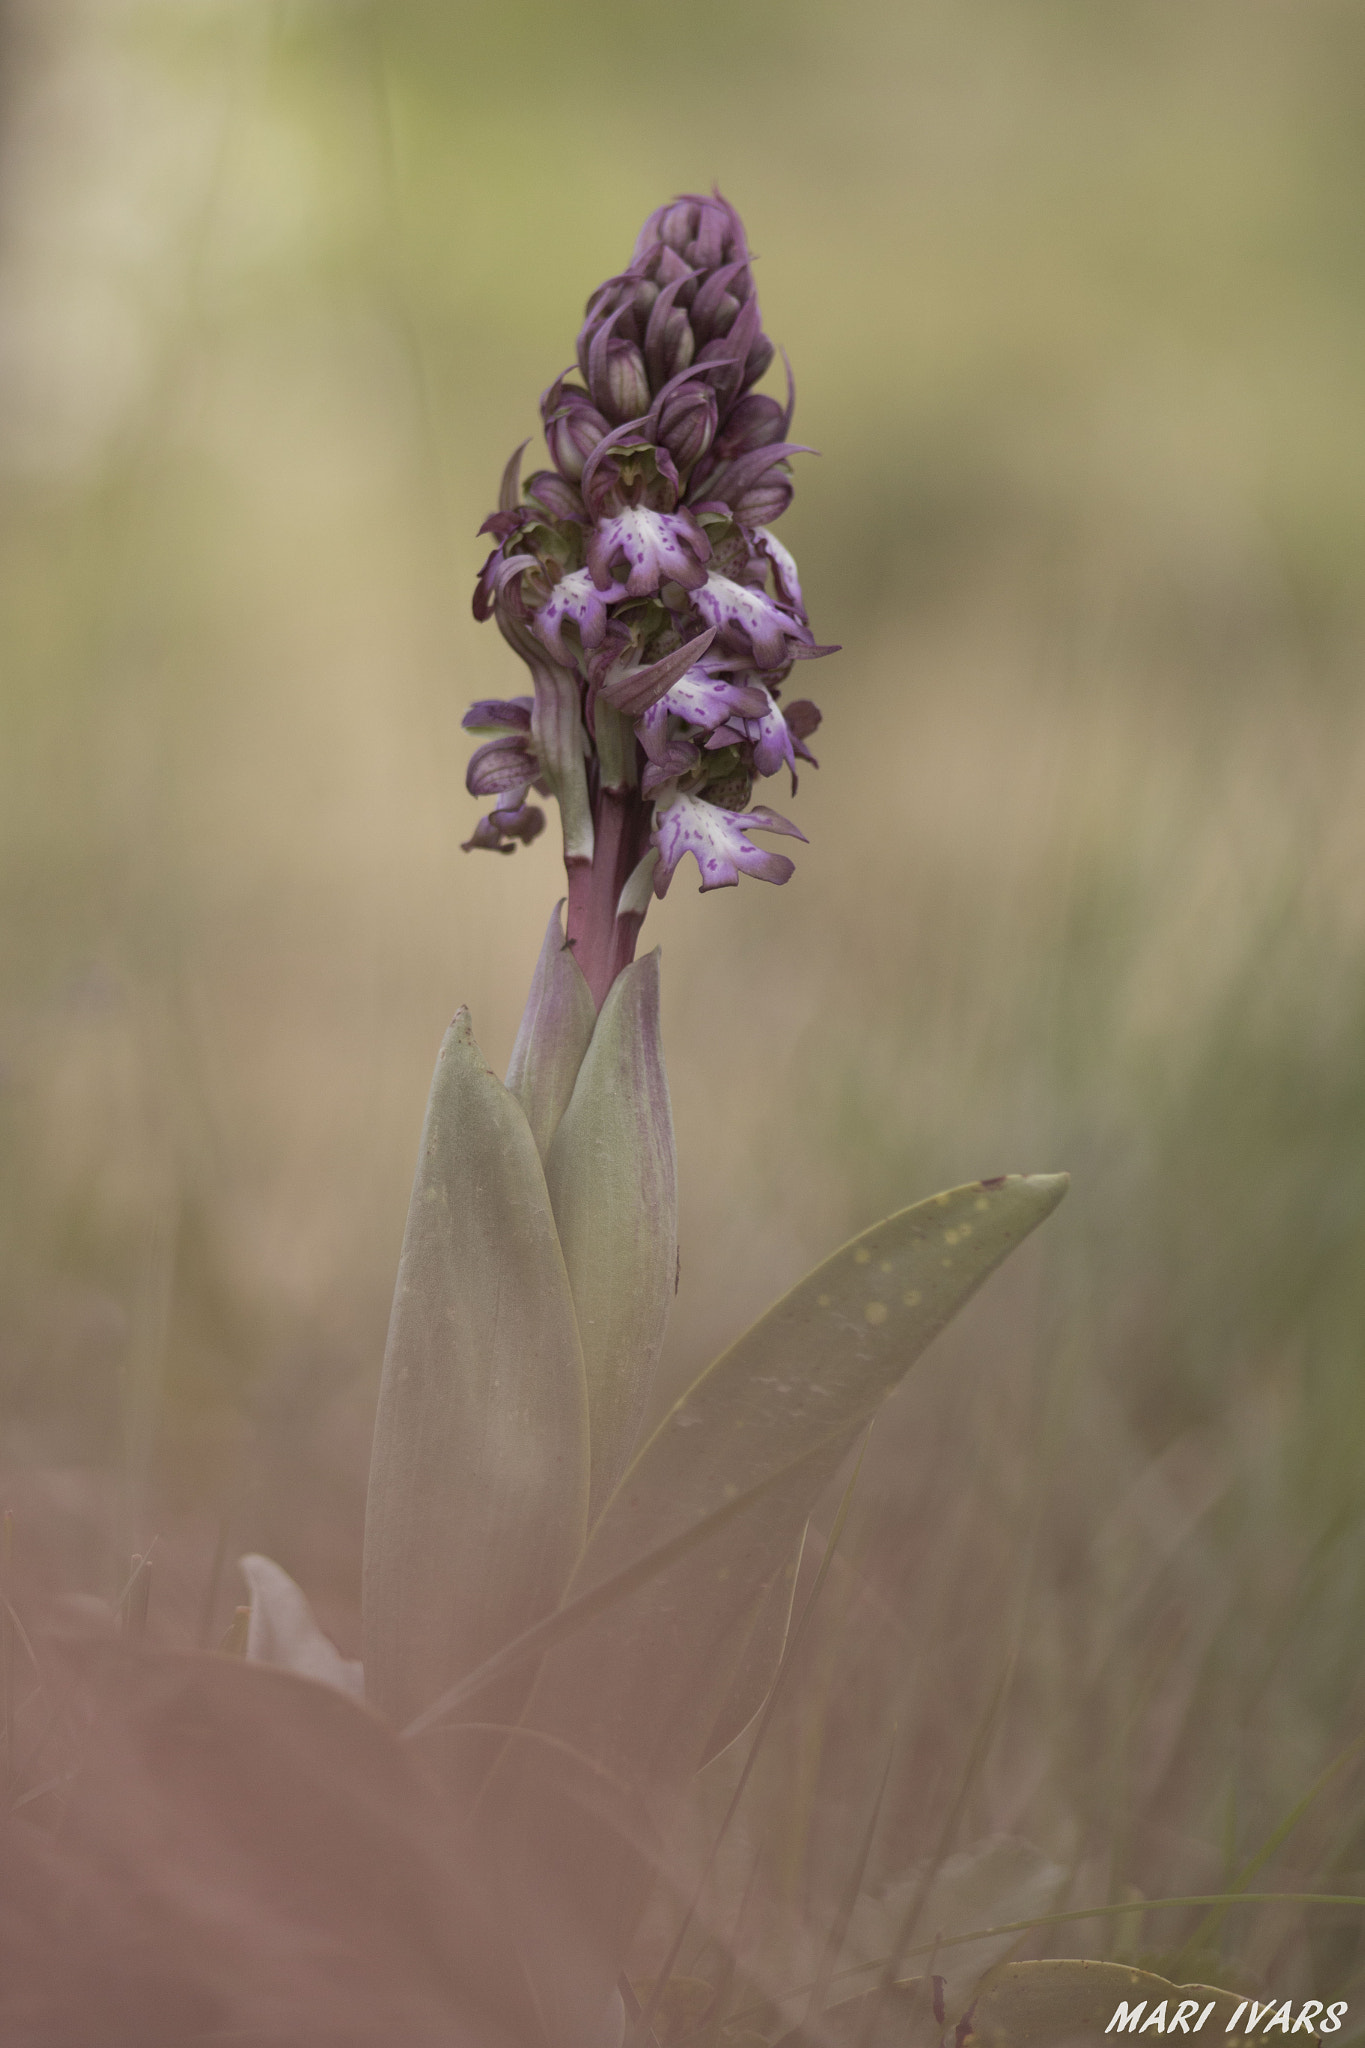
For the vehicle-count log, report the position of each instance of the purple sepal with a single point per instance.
(699, 698)
(686, 423)
(767, 499)
(704, 231)
(755, 422)
(554, 495)
(500, 766)
(668, 758)
(618, 382)
(601, 484)
(509, 490)
(494, 577)
(715, 309)
(577, 599)
(501, 830)
(717, 841)
(750, 618)
(733, 481)
(573, 427)
(766, 732)
(499, 714)
(670, 343)
(651, 548)
(803, 718)
(745, 342)
(504, 523)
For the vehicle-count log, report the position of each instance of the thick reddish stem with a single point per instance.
(603, 943)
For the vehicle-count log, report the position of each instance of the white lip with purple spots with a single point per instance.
(739, 612)
(575, 599)
(717, 841)
(656, 547)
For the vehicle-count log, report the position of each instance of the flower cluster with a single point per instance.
(640, 582)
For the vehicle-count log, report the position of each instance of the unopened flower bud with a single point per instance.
(573, 427)
(639, 582)
(705, 231)
(503, 764)
(755, 422)
(687, 423)
(554, 495)
(767, 499)
(621, 383)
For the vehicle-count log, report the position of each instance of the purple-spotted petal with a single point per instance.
(750, 618)
(646, 549)
(785, 575)
(707, 700)
(718, 842)
(576, 600)
(667, 754)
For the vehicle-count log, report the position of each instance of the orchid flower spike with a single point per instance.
(639, 581)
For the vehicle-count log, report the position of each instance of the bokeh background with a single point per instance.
(1074, 297)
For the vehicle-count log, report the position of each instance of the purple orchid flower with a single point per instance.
(499, 714)
(751, 621)
(649, 548)
(717, 839)
(575, 600)
(639, 580)
(504, 829)
(502, 765)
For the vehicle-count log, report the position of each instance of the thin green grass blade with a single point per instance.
(1021, 2005)
(1069, 1914)
(759, 1666)
(1206, 1932)
(670, 1961)
(838, 1933)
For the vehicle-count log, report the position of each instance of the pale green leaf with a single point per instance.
(640, 1687)
(478, 1478)
(556, 1027)
(613, 1184)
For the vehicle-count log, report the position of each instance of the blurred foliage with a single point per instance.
(1073, 296)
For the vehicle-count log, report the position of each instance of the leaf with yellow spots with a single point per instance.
(640, 1687)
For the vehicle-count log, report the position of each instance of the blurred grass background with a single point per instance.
(1073, 295)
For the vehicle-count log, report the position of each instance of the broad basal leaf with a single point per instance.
(639, 1688)
(479, 1474)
